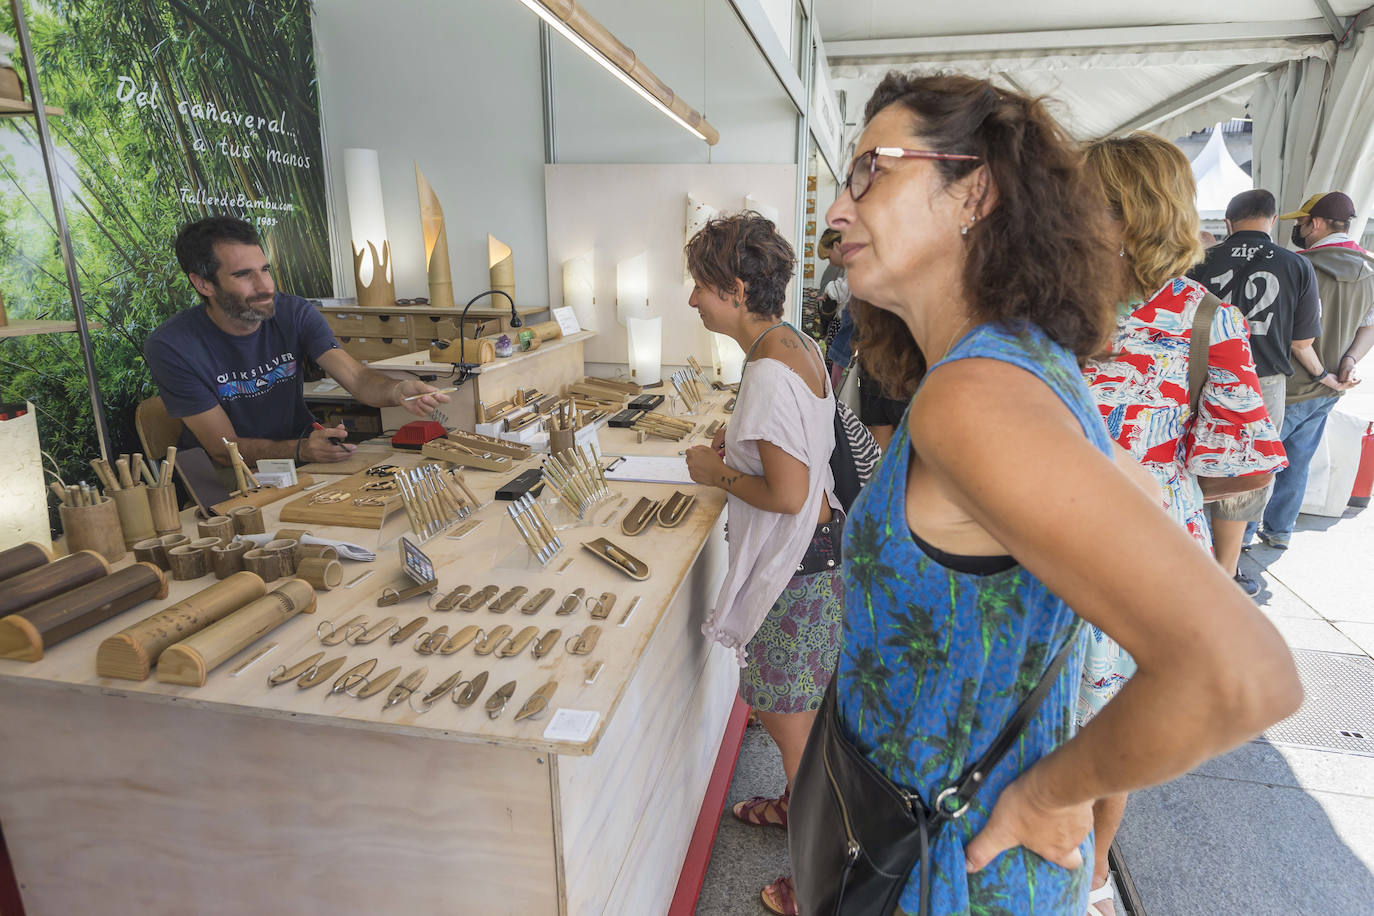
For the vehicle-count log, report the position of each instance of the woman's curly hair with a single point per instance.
(1040, 254)
(747, 247)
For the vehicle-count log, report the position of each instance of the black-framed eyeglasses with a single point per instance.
(421, 300)
(861, 173)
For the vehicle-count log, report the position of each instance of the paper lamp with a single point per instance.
(762, 209)
(502, 264)
(579, 289)
(646, 350)
(698, 215)
(367, 225)
(632, 288)
(727, 358)
(436, 243)
(23, 498)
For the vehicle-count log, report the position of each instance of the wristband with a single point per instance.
(1345, 357)
(298, 448)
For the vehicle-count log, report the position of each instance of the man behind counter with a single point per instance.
(231, 367)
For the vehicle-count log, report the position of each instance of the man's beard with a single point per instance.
(238, 308)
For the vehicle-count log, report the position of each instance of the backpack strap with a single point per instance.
(1199, 342)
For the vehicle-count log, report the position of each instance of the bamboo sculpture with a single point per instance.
(190, 661)
(436, 243)
(25, 634)
(132, 652)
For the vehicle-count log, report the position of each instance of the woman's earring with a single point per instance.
(963, 230)
(1122, 252)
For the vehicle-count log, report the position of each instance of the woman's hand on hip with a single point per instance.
(1021, 818)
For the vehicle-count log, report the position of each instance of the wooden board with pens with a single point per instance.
(362, 500)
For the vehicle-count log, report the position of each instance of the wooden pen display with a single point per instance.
(190, 661)
(26, 633)
(132, 652)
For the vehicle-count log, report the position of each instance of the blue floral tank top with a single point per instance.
(933, 661)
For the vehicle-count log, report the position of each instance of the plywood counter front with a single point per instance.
(124, 796)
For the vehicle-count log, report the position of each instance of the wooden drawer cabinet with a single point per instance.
(374, 348)
(345, 324)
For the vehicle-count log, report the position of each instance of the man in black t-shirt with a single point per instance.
(1276, 290)
(231, 367)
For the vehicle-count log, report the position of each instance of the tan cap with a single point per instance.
(1331, 205)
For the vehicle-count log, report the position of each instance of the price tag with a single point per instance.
(567, 320)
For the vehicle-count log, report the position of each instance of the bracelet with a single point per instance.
(1345, 357)
(298, 447)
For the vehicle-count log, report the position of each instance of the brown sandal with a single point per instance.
(779, 897)
(764, 812)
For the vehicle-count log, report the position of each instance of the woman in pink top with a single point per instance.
(781, 604)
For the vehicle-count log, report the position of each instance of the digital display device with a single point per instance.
(413, 560)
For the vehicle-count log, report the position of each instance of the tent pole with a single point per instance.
(21, 27)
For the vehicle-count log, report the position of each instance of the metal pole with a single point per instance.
(21, 27)
(546, 72)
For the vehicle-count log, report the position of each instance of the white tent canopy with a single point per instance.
(1169, 66)
(1218, 177)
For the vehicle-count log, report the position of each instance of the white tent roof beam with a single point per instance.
(1194, 96)
(1064, 39)
(1333, 22)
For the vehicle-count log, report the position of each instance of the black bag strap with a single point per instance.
(1199, 343)
(952, 803)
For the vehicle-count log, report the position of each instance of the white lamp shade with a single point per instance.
(646, 349)
(632, 288)
(698, 215)
(23, 498)
(366, 218)
(762, 209)
(579, 288)
(727, 358)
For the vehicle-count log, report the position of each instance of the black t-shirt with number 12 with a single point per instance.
(1274, 288)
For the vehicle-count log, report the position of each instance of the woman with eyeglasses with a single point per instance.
(980, 261)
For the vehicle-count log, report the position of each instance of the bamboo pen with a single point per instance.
(416, 397)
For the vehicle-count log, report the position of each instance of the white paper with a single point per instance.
(567, 320)
(571, 725)
(651, 469)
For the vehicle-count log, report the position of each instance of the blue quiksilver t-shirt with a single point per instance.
(256, 378)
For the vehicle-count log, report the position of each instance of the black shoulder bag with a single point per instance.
(855, 836)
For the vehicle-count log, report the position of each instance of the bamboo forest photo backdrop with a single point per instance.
(173, 111)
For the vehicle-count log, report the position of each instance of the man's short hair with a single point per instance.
(1255, 204)
(195, 244)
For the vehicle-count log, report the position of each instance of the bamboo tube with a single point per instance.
(227, 559)
(187, 562)
(546, 330)
(323, 551)
(173, 540)
(162, 503)
(152, 551)
(265, 565)
(190, 661)
(131, 653)
(25, 634)
(126, 480)
(135, 515)
(52, 579)
(321, 573)
(219, 526)
(23, 558)
(247, 520)
(290, 534)
(94, 528)
(236, 462)
(286, 549)
(205, 545)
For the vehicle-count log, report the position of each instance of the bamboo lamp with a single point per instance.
(436, 244)
(501, 263)
(367, 224)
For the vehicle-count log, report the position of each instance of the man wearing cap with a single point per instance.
(1276, 290)
(1345, 280)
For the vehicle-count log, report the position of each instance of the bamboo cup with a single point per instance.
(187, 562)
(25, 634)
(51, 579)
(227, 559)
(190, 661)
(220, 526)
(562, 440)
(162, 502)
(95, 528)
(131, 653)
(265, 565)
(321, 573)
(318, 550)
(135, 515)
(152, 551)
(285, 550)
(205, 545)
(23, 558)
(247, 520)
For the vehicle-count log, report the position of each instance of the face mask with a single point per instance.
(1297, 236)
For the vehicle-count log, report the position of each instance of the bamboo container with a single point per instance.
(318, 550)
(23, 558)
(152, 551)
(290, 534)
(135, 515)
(562, 440)
(546, 330)
(247, 520)
(131, 653)
(285, 550)
(94, 528)
(266, 565)
(323, 574)
(26, 634)
(227, 559)
(162, 503)
(220, 526)
(205, 545)
(190, 661)
(187, 562)
(173, 540)
(52, 579)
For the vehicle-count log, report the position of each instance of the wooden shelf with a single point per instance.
(10, 108)
(428, 311)
(29, 328)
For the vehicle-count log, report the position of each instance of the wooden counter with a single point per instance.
(120, 796)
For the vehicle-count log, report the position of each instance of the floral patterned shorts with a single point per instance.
(793, 655)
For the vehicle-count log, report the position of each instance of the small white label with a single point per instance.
(567, 320)
(572, 725)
